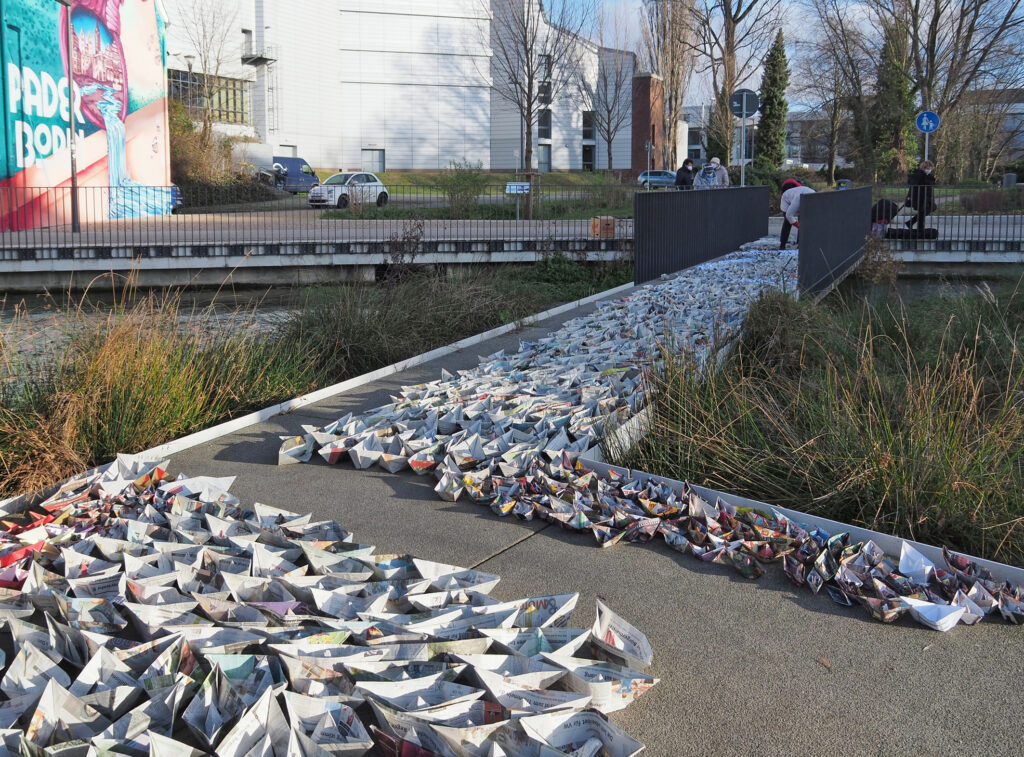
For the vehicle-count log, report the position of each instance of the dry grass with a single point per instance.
(147, 371)
(886, 417)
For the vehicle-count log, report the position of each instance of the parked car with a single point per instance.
(343, 189)
(176, 198)
(294, 174)
(650, 179)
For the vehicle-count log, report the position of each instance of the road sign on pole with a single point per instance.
(927, 122)
(648, 146)
(743, 103)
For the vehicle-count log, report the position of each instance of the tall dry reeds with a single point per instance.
(148, 369)
(138, 375)
(888, 417)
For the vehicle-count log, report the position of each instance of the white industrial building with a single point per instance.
(375, 85)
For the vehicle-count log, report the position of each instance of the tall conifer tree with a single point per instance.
(770, 149)
(892, 110)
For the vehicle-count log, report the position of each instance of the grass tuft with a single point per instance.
(150, 370)
(905, 418)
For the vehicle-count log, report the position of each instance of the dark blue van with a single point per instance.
(294, 174)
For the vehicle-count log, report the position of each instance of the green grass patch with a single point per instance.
(618, 203)
(903, 417)
(495, 178)
(148, 372)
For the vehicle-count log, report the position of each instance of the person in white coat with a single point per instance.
(792, 191)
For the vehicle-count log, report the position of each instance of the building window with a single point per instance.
(544, 66)
(224, 98)
(544, 158)
(544, 124)
(544, 92)
(589, 125)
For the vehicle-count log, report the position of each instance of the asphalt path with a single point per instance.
(746, 667)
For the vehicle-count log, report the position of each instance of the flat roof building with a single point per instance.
(377, 84)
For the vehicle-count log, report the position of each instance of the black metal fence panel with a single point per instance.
(679, 229)
(833, 227)
(148, 217)
(980, 214)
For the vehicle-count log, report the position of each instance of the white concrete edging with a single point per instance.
(288, 406)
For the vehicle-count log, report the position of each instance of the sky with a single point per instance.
(700, 85)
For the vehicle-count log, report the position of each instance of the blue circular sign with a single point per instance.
(928, 121)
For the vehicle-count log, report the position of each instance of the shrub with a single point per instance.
(1010, 199)
(192, 161)
(462, 184)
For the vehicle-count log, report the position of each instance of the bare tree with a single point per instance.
(962, 55)
(837, 37)
(209, 27)
(819, 82)
(963, 51)
(668, 42)
(730, 39)
(537, 50)
(954, 42)
(608, 92)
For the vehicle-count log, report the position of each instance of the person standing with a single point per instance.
(705, 178)
(921, 194)
(792, 191)
(684, 176)
(721, 173)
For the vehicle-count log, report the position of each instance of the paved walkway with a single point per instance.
(745, 667)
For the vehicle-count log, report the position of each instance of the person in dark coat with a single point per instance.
(921, 194)
(684, 176)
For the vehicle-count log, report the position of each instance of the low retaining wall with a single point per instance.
(36, 269)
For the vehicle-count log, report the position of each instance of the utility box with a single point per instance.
(602, 227)
(1009, 179)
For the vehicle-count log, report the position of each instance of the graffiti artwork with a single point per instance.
(118, 99)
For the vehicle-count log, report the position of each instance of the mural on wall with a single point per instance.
(119, 101)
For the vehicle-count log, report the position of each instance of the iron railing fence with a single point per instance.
(963, 213)
(677, 230)
(35, 218)
(833, 229)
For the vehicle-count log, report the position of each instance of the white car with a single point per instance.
(343, 189)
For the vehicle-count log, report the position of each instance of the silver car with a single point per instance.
(344, 189)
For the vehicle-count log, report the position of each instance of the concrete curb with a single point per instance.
(288, 406)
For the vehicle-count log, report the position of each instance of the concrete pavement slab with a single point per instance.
(761, 667)
(746, 667)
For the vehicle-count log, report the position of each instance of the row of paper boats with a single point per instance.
(617, 509)
(152, 615)
(509, 433)
(555, 395)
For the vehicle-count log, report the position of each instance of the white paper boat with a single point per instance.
(934, 616)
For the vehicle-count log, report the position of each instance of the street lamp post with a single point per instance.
(191, 85)
(75, 222)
